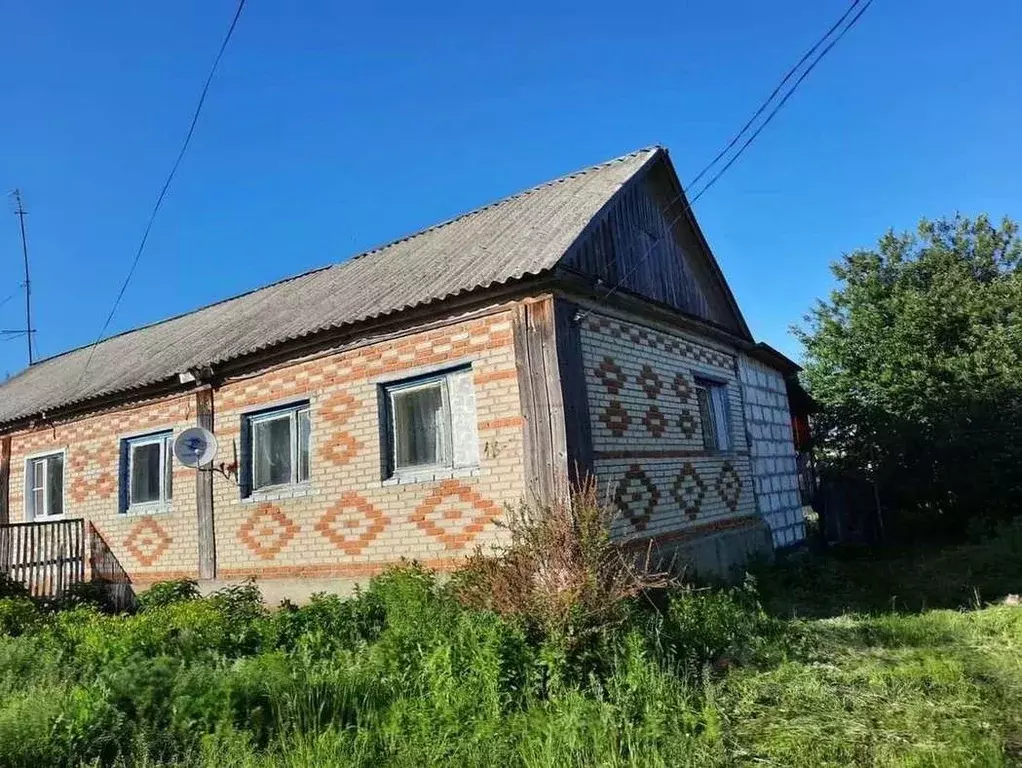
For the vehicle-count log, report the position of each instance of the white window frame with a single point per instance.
(717, 401)
(30, 511)
(446, 437)
(292, 413)
(165, 440)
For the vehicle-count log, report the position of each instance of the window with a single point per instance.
(44, 486)
(713, 415)
(430, 424)
(147, 469)
(277, 447)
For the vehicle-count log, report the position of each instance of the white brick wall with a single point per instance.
(772, 451)
(647, 437)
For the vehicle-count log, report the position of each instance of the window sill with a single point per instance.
(141, 510)
(279, 492)
(429, 475)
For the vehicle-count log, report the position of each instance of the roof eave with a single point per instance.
(293, 347)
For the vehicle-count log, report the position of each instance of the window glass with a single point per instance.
(55, 485)
(712, 399)
(145, 472)
(419, 418)
(168, 468)
(706, 418)
(38, 502)
(718, 397)
(303, 445)
(271, 448)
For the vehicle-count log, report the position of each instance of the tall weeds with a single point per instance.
(560, 572)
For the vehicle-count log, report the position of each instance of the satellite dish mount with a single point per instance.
(196, 447)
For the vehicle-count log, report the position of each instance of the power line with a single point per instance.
(163, 190)
(787, 76)
(4, 301)
(687, 205)
(783, 101)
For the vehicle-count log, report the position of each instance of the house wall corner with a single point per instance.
(772, 451)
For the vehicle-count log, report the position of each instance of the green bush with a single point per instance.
(166, 593)
(11, 588)
(18, 615)
(27, 720)
(329, 624)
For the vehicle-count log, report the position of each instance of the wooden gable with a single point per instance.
(646, 241)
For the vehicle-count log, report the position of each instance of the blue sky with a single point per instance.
(331, 128)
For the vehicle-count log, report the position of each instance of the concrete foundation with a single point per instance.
(721, 556)
(297, 591)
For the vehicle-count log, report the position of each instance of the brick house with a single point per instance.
(389, 406)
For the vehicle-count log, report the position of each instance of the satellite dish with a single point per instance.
(195, 446)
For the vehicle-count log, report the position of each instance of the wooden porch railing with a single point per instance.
(49, 557)
(46, 556)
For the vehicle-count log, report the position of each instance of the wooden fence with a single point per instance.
(49, 557)
(46, 556)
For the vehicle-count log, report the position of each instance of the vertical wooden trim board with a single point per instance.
(204, 492)
(539, 388)
(5, 479)
(571, 368)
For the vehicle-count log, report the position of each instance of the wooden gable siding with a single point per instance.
(634, 245)
(645, 242)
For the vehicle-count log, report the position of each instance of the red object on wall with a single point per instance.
(800, 431)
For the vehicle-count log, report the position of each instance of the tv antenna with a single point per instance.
(20, 212)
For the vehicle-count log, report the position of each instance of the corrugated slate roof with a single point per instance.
(522, 235)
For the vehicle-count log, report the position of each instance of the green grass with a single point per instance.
(866, 660)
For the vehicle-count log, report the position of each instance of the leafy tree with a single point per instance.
(916, 358)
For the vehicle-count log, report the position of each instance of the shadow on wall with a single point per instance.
(107, 570)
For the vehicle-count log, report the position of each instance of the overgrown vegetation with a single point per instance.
(413, 671)
(560, 574)
(916, 358)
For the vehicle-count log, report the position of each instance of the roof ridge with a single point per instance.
(517, 195)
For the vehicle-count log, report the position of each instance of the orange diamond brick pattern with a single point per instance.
(147, 541)
(451, 523)
(267, 531)
(352, 523)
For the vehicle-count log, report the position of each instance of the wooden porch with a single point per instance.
(51, 557)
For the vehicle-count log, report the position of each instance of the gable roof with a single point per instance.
(522, 235)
